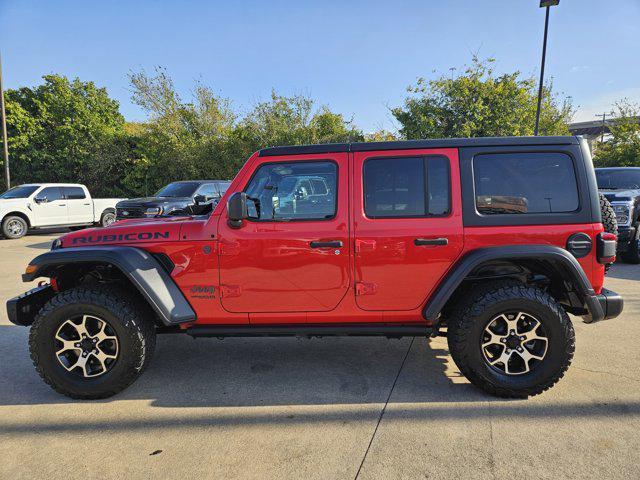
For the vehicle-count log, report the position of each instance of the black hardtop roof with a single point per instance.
(201, 181)
(416, 144)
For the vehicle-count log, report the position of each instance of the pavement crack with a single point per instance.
(375, 430)
(492, 460)
(607, 373)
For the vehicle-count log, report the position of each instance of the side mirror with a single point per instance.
(198, 199)
(40, 200)
(237, 209)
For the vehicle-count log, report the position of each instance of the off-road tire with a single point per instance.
(6, 227)
(126, 315)
(465, 332)
(609, 221)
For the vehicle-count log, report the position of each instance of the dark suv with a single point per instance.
(191, 197)
(621, 186)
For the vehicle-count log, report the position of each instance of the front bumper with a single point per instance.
(606, 305)
(22, 309)
(626, 237)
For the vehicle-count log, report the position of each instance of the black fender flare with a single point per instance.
(561, 259)
(141, 268)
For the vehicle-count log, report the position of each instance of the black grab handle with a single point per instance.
(330, 244)
(421, 242)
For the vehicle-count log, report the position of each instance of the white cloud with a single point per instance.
(579, 68)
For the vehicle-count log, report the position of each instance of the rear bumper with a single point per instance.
(606, 305)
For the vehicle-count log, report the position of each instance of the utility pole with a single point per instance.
(604, 126)
(546, 4)
(7, 176)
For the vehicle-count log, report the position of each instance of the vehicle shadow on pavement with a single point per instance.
(624, 271)
(40, 246)
(259, 372)
(351, 376)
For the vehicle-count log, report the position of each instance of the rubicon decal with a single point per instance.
(120, 237)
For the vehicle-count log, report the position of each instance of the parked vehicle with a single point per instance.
(621, 186)
(405, 241)
(40, 205)
(193, 197)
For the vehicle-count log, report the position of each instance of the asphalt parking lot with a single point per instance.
(289, 408)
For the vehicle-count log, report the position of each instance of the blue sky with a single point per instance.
(358, 57)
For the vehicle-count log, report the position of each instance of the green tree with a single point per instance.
(294, 121)
(64, 131)
(479, 103)
(181, 139)
(205, 138)
(623, 148)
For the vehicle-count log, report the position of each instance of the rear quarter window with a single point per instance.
(525, 183)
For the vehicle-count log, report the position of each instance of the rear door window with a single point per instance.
(73, 193)
(406, 187)
(525, 183)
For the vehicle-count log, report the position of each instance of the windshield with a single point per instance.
(618, 179)
(178, 189)
(22, 191)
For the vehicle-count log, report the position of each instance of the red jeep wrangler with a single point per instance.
(487, 241)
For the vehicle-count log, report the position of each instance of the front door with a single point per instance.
(408, 225)
(292, 254)
(51, 209)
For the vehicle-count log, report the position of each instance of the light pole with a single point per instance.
(7, 177)
(543, 4)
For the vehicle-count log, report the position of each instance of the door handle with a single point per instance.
(63, 204)
(329, 244)
(434, 242)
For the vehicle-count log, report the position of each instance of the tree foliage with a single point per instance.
(70, 130)
(203, 137)
(479, 104)
(623, 148)
(66, 131)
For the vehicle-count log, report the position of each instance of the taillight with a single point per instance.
(606, 247)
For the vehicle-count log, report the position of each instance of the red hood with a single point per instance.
(129, 231)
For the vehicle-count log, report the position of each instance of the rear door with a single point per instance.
(79, 205)
(51, 207)
(292, 255)
(407, 225)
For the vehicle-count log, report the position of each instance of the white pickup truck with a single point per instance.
(38, 205)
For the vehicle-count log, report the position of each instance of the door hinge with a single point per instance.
(365, 245)
(228, 291)
(364, 288)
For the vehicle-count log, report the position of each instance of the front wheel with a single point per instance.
(632, 254)
(89, 343)
(14, 227)
(512, 341)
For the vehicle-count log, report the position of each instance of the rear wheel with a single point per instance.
(512, 340)
(107, 219)
(14, 227)
(90, 343)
